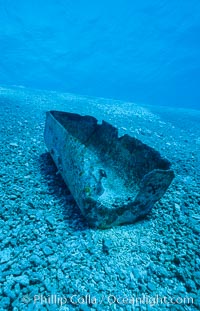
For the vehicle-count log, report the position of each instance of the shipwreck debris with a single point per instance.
(114, 180)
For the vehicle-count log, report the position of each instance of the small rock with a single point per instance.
(24, 264)
(197, 278)
(131, 285)
(84, 308)
(177, 208)
(17, 289)
(53, 259)
(137, 274)
(190, 286)
(151, 286)
(108, 270)
(16, 271)
(47, 251)
(5, 303)
(35, 260)
(50, 220)
(5, 255)
(180, 274)
(47, 284)
(13, 144)
(196, 229)
(60, 274)
(180, 289)
(23, 280)
(9, 293)
(106, 245)
(162, 272)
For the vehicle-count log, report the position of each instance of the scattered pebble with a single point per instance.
(47, 247)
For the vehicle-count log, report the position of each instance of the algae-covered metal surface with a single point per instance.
(114, 180)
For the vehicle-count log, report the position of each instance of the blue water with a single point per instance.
(143, 51)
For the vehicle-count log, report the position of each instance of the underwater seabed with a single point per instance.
(47, 249)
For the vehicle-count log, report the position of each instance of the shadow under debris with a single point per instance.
(58, 189)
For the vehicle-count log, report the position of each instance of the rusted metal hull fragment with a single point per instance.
(114, 180)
